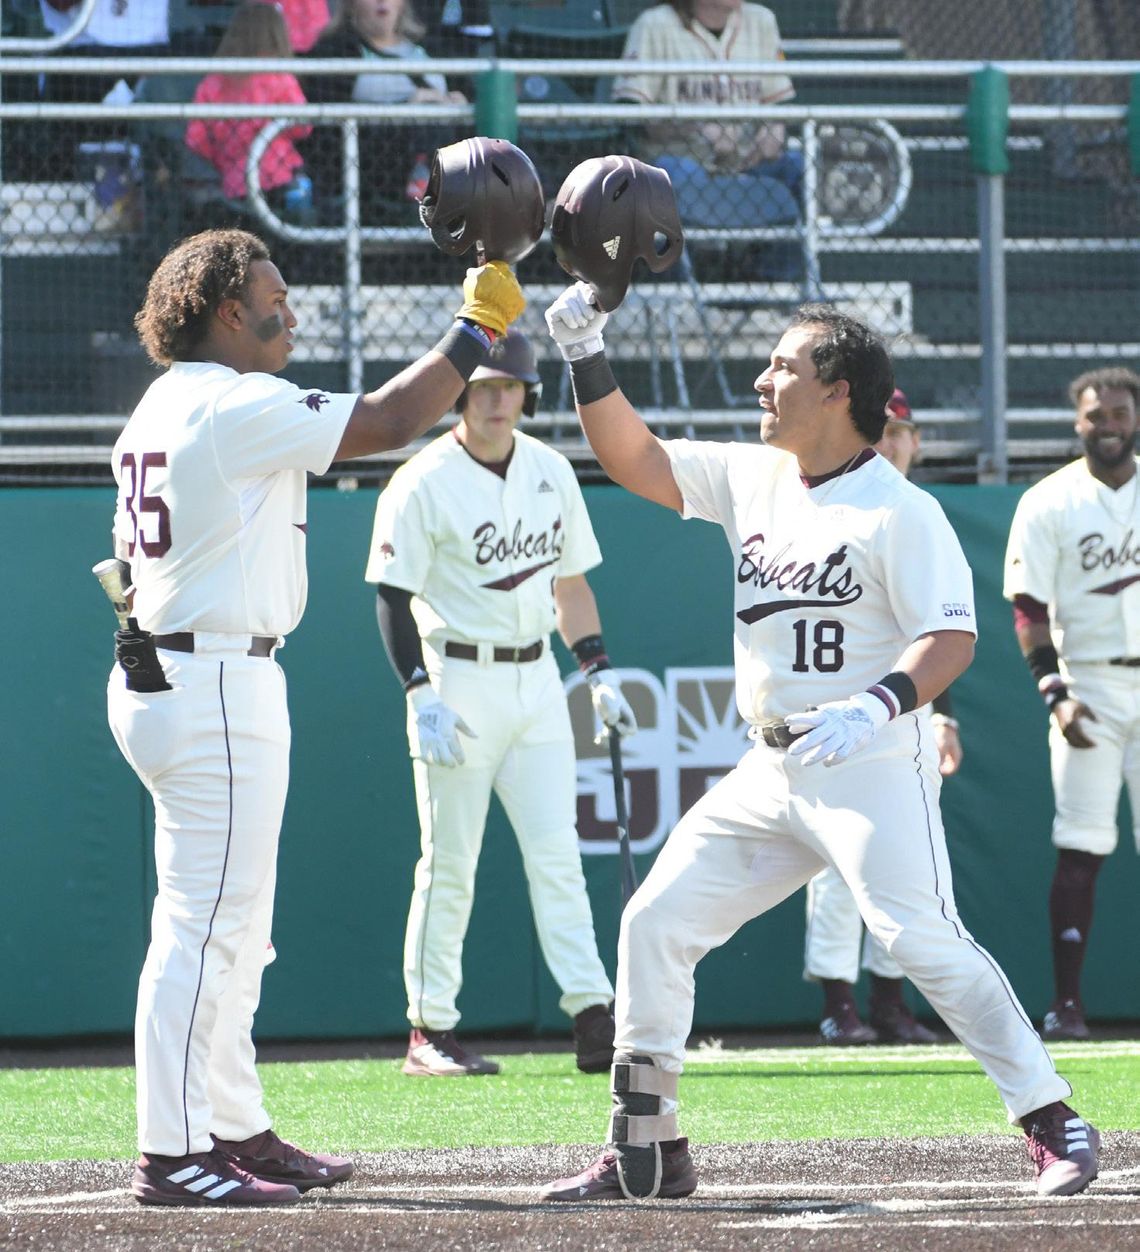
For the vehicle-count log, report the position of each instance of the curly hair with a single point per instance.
(850, 350)
(189, 284)
(1108, 378)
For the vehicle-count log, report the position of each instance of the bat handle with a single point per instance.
(628, 873)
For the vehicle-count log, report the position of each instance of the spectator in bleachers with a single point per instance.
(729, 173)
(393, 160)
(306, 20)
(120, 25)
(257, 29)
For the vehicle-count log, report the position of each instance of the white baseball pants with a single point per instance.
(524, 752)
(834, 934)
(1086, 781)
(760, 834)
(214, 754)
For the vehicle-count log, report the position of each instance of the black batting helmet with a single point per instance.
(485, 192)
(511, 356)
(609, 211)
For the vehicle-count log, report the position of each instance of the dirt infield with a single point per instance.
(960, 1193)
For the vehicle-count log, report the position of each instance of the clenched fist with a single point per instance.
(492, 296)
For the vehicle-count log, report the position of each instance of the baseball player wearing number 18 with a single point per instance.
(1072, 570)
(480, 548)
(211, 471)
(853, 609)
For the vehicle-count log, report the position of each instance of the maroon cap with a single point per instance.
(898, 407)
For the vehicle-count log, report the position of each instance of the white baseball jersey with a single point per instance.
(833, 581)
(211, 509)
(751, 34)
(1075, 546)
(478, 552)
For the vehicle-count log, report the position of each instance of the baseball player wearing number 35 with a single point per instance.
(211, 472)
(853, 609)
(480, 548)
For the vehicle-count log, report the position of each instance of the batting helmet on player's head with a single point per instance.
(610, 211)
(484, 192)
(511, 356)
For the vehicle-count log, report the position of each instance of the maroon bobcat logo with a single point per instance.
(316, 400)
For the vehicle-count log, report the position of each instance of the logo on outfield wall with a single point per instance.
(689, 736)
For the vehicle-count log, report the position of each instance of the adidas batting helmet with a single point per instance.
(511, 356)
(609, 211)
(484, 192)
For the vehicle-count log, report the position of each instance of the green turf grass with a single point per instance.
(726, 1097)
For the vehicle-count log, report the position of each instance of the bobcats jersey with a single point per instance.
(480, 552)
(211, 508)
(833, 581)
(1075, 546)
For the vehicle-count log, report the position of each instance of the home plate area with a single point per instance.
(856, 1194)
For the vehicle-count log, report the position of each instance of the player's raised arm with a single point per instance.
(420, 395)
(626, 448)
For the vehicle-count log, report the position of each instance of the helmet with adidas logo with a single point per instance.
(487, 193)
(610, 211)
(511, 356)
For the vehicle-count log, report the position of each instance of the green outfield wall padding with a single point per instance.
(76, 879)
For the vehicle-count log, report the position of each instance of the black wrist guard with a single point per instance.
(465, 345)
(1043, 661)
(592, 378)
(136, 654)
(590, 653)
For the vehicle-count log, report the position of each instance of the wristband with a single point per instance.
(590, 653)
(418, 678)
(943, 719)
(897, 691)
(1043, 663)
(1053, 690)
(592, 378)
(465, 345)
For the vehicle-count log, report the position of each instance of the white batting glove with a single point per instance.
(575, 323)
(610, 703)
(837, 730)
(438, 728)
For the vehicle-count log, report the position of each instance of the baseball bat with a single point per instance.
(628, 873)
(113, 575)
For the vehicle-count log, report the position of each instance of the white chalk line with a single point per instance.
(822, 1055)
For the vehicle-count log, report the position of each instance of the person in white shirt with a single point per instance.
(480, 548)
(211, 472)
(1072, 571)
(853, 607)
(724, 173)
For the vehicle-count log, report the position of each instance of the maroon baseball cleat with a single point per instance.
(845, 1029)
(203, 1178)
(270, 1158)
(1065, 1020)
(438, 1054)
(1063, 1148)
(594, 1039)
(893, 1022)
(600, 1181)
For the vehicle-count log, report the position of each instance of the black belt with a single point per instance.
(470, 652)
(1132, 662)
(776, 734)
(183, 641)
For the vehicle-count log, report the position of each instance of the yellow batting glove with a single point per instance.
(492, 296)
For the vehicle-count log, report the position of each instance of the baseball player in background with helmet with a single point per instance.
(834, 934)
(211, 471)
(853, 609)
(1072, 570)
(480, 548)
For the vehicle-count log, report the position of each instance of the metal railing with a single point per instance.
(819, 236)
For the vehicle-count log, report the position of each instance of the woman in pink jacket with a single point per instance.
(256, 30)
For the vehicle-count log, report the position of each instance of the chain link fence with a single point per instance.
(871, 201)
